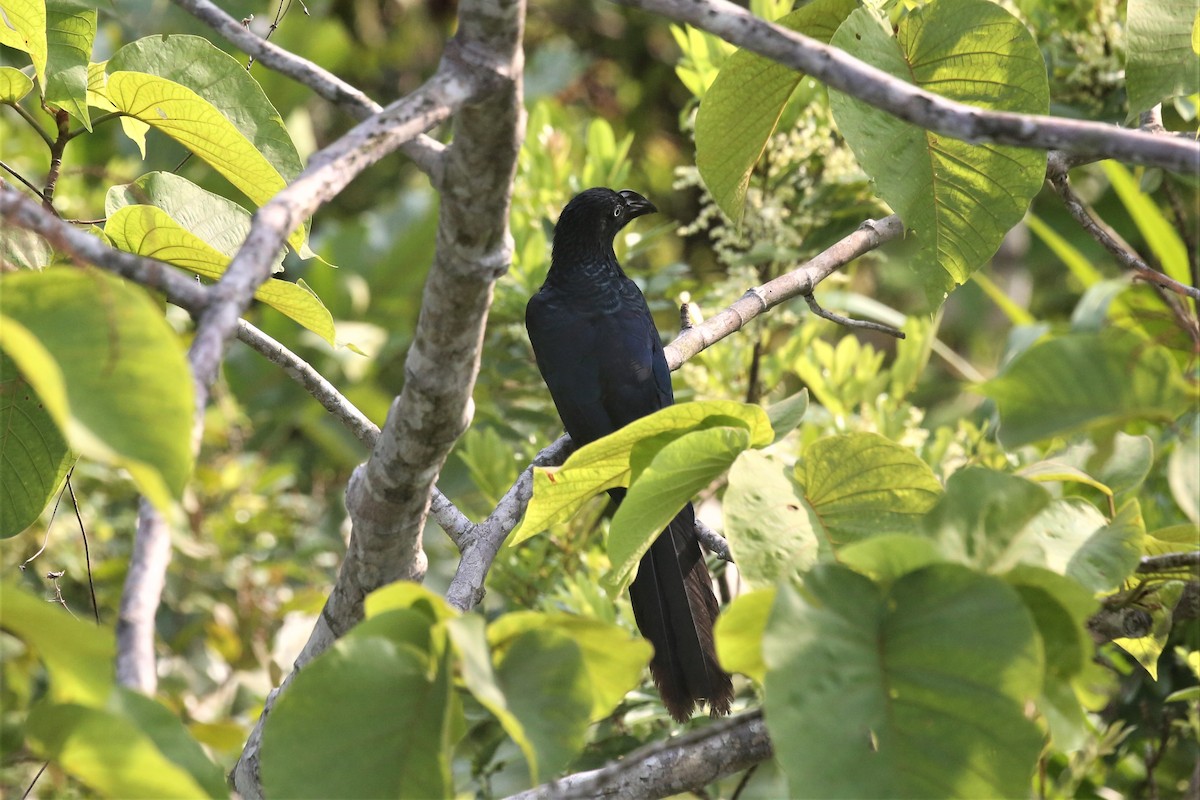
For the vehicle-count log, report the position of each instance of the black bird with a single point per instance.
(602, 359)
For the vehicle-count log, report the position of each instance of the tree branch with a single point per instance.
(137, 667)
(841, 71)
(389, 497)
(685, 763)
(425, 152)
(1125, 256)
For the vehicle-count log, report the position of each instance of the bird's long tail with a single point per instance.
(675, 608)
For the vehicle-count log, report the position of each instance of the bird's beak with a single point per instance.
(636, 204)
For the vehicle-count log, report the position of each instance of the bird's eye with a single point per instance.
(617, 211)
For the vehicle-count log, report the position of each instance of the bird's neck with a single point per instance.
(584, 268)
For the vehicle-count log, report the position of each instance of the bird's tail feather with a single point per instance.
(675, 608)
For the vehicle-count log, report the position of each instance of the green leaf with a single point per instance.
(786, 415)
(543, 677)
(770, 528)
(1158, 232)
(743, 105)
(78, 655)
(1161, 62)
(23, 27)
(1072, 538)
(1053, 471)
(24, 249)
(1124, 467)
(170, 737)
(958, 199)
(34, 457)
(874, 693)
(1183, 476)
(560, 492)
(14, 85)
(678, 471)
(981, 518)
(739, 633)
(150, 231)
(199, 126)
(885, 558)
(364, 719)
(69, 34)
(101, 389)
(614, 661)
(863, 484)
(220, 222)
(1081, 380)
(194, 62)
(110, 753)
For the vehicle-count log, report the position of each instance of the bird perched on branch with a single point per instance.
(602, 359)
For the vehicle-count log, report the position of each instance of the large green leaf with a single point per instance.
(605, 463)
(150, 231)
(958, 199)
(70, 31)
(14, 85)
(770, 528)
(903, 692)
(364, 719)
(199, 126)
(982, 516)
(34, 457)
(219, 78)
(123, 393)
(1161, 61)
(1079, 380)
(679, 470)
(110, 753)
(739, 633)
(1183, 474)
(863, 484)
(78, 655)
(742, 107)
(537, 689)
(613, 660)
(1072, 538)
(23, 27)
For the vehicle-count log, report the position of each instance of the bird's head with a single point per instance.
(593, 218)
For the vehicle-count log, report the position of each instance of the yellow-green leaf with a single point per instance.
(103, 387)
(14, 84)
(196, 124)
(69, 35)
(151, 232)
(23, 27)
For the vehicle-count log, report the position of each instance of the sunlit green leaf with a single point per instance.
(1074, 381)
(151, 232)
(1161, 61)
(1147, 649)
(14, 84)
(1183, 474)
(958, 199)
(678, 471)
(1072, 538)
(1158, 232)
(770, 528)
(102, 388)
(739, 632)
(880, 693)
(605, 463)
(78, 655)
(863, 484)
(23, 27)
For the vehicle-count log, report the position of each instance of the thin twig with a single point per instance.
(46, 540)
(63, 120)
(87, 556)
(714, 542)
(33, 782)
(1170, 562)
(1124, 255)
(29, 185)
(851, 323)
(33, 123)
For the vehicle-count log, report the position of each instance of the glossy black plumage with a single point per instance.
(602, 360)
